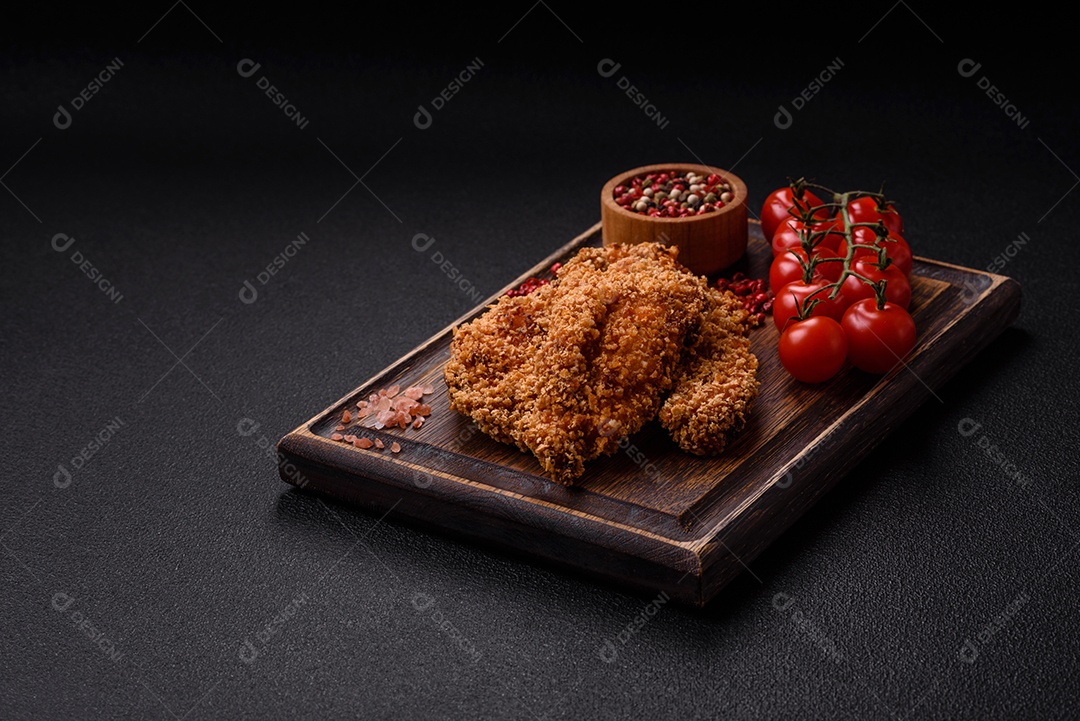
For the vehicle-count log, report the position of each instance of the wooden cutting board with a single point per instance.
(651, 518)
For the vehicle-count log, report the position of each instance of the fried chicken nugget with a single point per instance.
(570, 369)
(712, 398)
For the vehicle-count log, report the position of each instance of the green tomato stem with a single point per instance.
(810, 240)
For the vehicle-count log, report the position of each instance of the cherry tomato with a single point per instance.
(896, 248)
(775, 210)
(789, 235)
(813, 350)
(784, 304)
(897, 288)
(878, 339)
(786, 267)
(865, 210)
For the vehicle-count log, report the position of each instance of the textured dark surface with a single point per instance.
(177, 541)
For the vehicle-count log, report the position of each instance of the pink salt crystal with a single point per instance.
(414, 392)
(404, 403)
(335, 436)
(418, 422)
(428, 390)
(393, 390)
(379, 444)
(395, 447)
(422, 410)
(363, 443)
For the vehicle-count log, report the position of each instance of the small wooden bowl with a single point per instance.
(707, 243)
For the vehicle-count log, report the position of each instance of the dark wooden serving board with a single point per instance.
(652, 518)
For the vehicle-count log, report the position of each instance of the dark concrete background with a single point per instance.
(929, 584)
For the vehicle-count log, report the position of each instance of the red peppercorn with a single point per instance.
(752, 293)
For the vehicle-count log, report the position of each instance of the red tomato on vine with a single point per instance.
(780, 201)
(897, 286)
(813, 350)
(896, 248)
(787, 268)
(866, 210)
(790, 234)
(878, 339)
(796, 295)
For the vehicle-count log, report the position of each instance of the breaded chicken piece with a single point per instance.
(713, 395)
(570, 369)
(490, 373)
